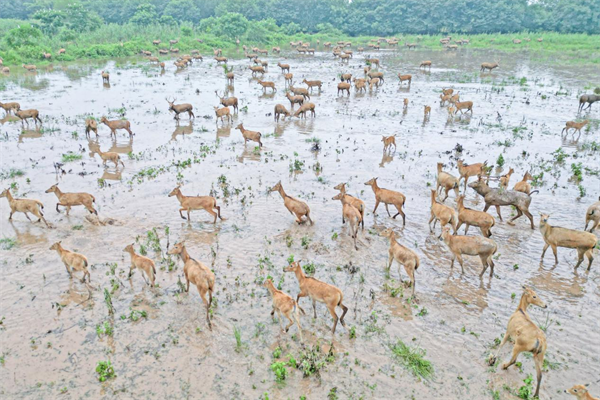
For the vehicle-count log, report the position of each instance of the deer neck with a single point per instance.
(282, 192)
(271, 288)
(299, 275)
(523, 305)
(58, 193)
(184, 255)
(9, 197)
(180, 196)
(433, 198)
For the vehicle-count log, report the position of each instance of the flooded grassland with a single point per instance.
(54, 330)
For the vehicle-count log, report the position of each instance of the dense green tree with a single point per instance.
(145, 15)
(25, 35)
(50, 21)
(80, 19)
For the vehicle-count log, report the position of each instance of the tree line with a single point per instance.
(356, 17)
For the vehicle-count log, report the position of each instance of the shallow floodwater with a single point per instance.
(48, 338)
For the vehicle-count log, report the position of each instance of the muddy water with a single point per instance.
(48, 335)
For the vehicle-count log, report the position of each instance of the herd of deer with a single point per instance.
(527, 336)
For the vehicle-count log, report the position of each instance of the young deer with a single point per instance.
(294, 99)
(386, 197)
(190, 203)
(574, 125)
(471, 246)
(180, 108)
(284, 67)
(388, 141)
(10, 107)
(343, 86)
(403, 78)
(267, 84)
(24, 115)
(446, 181)
(73, 261)
(250, 135)
(523, 186)
(350, 214)
(280, 110)
(110, 156)
(142, 263)
(105, 77)
(468, 170)
(555, 237)
(222, 113)
(443, 213)
(295, 207)
(405, 103)
(527, 336)
(286, 305)
(357, 203)
(593, 215)
(505, 179)
(25, 206)
(319, 291)
(117, 124)
(304, 108)
(91, 125)
(581, 391)
(426, 111)
(69, 200)
(312, 84)
(469, 217)
(197, 273)
(468, 105)
(404, 256)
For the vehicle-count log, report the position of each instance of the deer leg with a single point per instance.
(344, 311)
(460, 261)
(544, 252)
(401, 213)
(131, 268)
(580, 253)
(519, 213)
(431, 219)
(502, 343)
(554, 250)
(10, 216)
(27, 215)
(180, 210)
(590, 258)
(288, 316)
(214, 214)
(206, 303)
(376, 205)
(528, 215)
(484, 263)
(498, 212)
(335, 318)
(515, 353)
(539, 362)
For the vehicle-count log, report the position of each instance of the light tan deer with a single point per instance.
(425, 64)
(222, 113)
(304, 108)
(25, 206)
(142, 263)
(91, 125)
(388, 141)
(295, 207)
(405, 78)
(446, 181)
(505, 179)
(110, 156)
(321, 292)
(190, 203)
(426, 111)
(468, 170)
(460, 106)
(105, 77)
(69, 200)
(267, 84)
(527, 336)
(357, 203)
(228, 102)
(343, 86)
(523, 186)
(286, 305)
(312, 84)
(350, 214)
(180, 108)
(447, 92)
(10, 107)
(555, 237)
(280, 110)
(593, 215)
(405, 103)
(253, 136)
(574, 125)
(403, 256)
(284, 67)
(288, 80)
(197, 273)
(73, 261)
(489, 66)
(443, 213)
(469, 217)
(471, 246)
(386, 197)
(580, 391)
(24, 115)
(298, 91)
(116, 124)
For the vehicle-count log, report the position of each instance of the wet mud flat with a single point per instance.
(54, 330)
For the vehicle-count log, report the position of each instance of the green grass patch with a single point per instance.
(413, 359)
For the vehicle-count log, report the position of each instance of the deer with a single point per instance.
(523, 186)
(443, 213)
(343, 86)
(110, 156)
(527, 336)
(444, 99)
(388, 141)
(286, 305)
(276, 50)
(198, 274)
(24, 115)
(593, 215)
(105, 77)
(372, 62)
(425, 64)
(304, 108)
(29, 67)
(61, 51)
(280, 110)
(312, 84)
(468, 105)
(426, 111)
(142, 263)
(374, 82)
(387, 197)
(300, 91)
(69, 200)
(257, 69)
(116, 124)
(267, 84)
(505, 179)
(469, 217)
(376, 74)
(222, 113)
(288, 78)
(489, 66)
(294, 206)
(356, 203)
(5, 70)
(405, 78)
(574, 125)
(73, 261)
(295, 99)
(191, 203)
(321, 292)
(555, 237)
(468, 170)
(346, 78)
(26, 206)
(516, 41)
(10, 107)
(228, 102)
(350, 214)
(156, 42)
(403, 256)
(360, 84)
(446, 181)
(471, 246)
(405, 103)
(217, 52)
(447, 92)
(580, 391)
(220, 59)
(588, 99)
(250, 135)
(503, 197)
(284, 67)
(180, 108)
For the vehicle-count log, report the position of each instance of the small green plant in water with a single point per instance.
(71, 156)
(412, 358)
(279, 370)
(105, 371)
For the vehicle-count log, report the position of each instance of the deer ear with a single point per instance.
(524, 287)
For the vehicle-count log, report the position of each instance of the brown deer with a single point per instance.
(585, 99)
(555, 237)
(405, 78)
(286, 305)
(228, 102)
(284, 67)
(350, 214)
(300, 91)
(24, 115)
(73, 261)
(319, 291)
(69, 200)
(295, 207)
(312, 84)
(10, 107)
(294, 99)
(250, 135)
(505, 179)
(114, 125)
(197, 273)
(443, 213)
(304, 108)
(387, 197)
(523, 186)
(469, 217)
(489, 66)
(468, 105)
(446, 181)
(388, 141)
(425, 64)
(142, 263)
(191, 203)
(343, 86)
(468, 170)
(357, 203)
(257, 69)
(580, 391)
(220, 59)
(105, 77)
(222, 113)
(527, 336)
(403, 256)
(593, 215)
(267, 84)
(574, 125)
(280, 110)
(180, 108)
(471, 246)
(25, 206)
(426, 111)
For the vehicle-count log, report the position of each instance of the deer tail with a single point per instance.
(533, 191)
